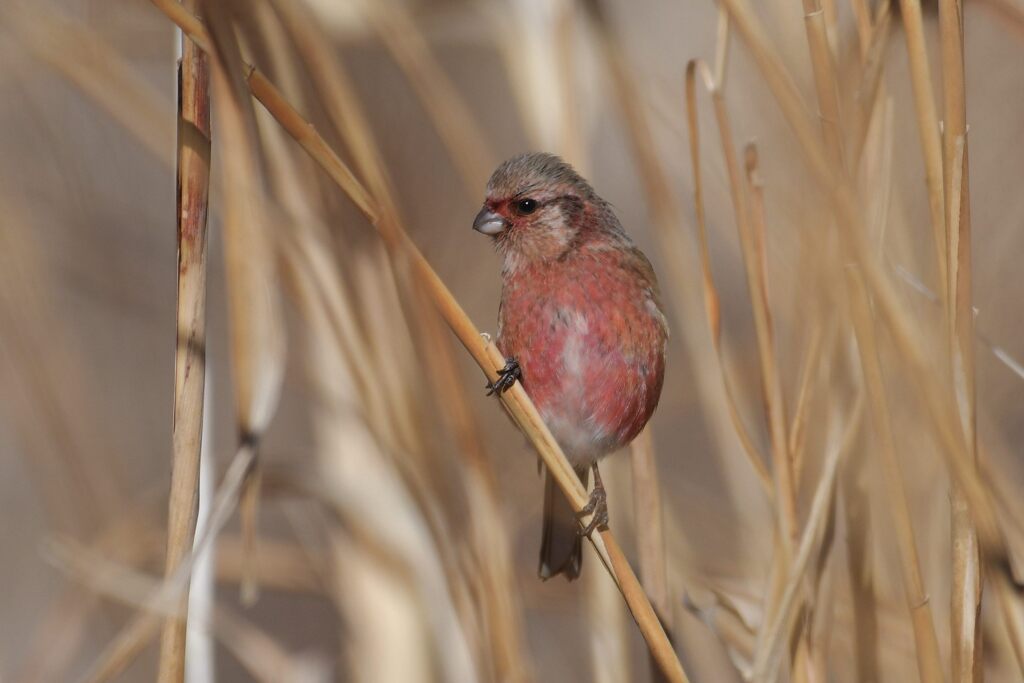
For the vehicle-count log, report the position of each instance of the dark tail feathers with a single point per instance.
(561, 548)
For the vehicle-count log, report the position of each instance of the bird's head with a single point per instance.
(536, 208)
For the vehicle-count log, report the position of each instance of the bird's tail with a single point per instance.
(561, 547)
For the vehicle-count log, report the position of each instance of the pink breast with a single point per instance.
(592, 353)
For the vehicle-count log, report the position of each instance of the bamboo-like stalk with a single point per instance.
(929, 663)
(1009, 599)
(768, 657)
(859, 528)
(452, 119)
(667, 216)
(824, 81)
(748, 208)
(862, 16)
(608, 636)
(648, 528)
(132, 639)
(98, 70)
(485, 353)
(845, 204)
(870, 90)
(785, 495)
(260, 654)
(347, 116)
(711, 302)
(190, 352)
(650, 534)
(808, 373)
(965, 617)
(927, 128)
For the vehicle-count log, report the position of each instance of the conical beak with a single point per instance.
(488, 222)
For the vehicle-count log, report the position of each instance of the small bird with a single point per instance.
(580, 324)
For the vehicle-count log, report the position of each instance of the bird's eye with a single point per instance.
(526, 206)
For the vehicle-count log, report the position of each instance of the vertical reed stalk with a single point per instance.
(929, 664)
(193, 184)
(927, 128)
(782, 466)
(890, 308)
(824, 81)
(965, 618)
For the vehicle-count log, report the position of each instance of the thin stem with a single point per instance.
(929, 664)
(190, 353)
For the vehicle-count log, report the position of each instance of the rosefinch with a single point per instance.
(580, 323)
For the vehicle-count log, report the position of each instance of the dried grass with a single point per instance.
(803, 542)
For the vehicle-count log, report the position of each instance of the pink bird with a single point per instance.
(580, 323)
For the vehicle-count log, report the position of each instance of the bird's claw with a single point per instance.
(597, 505)
(507, 376)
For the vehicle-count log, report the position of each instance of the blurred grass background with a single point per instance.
(368, 559)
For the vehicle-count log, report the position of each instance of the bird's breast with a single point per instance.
(591, 344)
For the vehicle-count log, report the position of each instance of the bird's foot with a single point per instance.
(597, 505)
(507, 376)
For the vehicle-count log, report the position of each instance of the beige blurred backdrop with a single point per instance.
(87, 331)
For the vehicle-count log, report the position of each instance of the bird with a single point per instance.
(580, 324)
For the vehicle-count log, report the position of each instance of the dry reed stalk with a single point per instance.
(862, 581)
(283, 566)
(667, 216)
(1008, 596)
(126, 538)
(256, 327)
(487, 530)
(257, 338)
(831, 24)
(727, 623)
(825, 81)
(98, 70)
(768, 657)
(748, 208)
(711, 299)
(49, 381)
(485, 353)
(845, 204)
(389, 575)
(862, 16)
(927, 127)
(928, 661)
(648, 529)
(261, 655)
(748, 203)
(965, 619)
(757, 264)
(809, 370)
(452, 118)
(572, 131)
(608, 630)
(753, 258)
(193, 186)
(134, 637)
(870, 90)
(650, 534)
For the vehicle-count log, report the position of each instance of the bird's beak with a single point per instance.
(488, 222)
